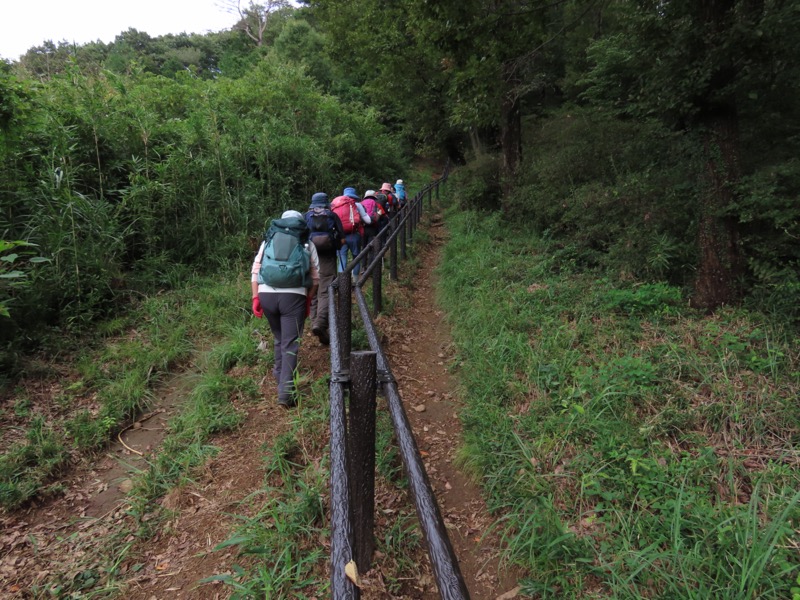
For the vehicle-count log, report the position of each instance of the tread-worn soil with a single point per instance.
(63, 535)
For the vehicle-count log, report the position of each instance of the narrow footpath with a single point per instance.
(67, 538)
(420, 352)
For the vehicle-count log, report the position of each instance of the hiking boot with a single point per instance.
(322, 334)
(287, 402)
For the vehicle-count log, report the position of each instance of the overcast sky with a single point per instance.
(27, 24)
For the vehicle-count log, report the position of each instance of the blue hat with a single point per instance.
(319, 199)
(351, 192)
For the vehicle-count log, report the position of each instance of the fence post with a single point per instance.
(430, 196)
(393, 259)
(377, 287)
(438, 185)
(344, 318)
(342, 545)
(361, 442)
(412, 211)
(403, 235)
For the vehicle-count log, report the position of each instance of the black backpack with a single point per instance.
(322, 225)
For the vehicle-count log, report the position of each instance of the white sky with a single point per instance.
(27, 24)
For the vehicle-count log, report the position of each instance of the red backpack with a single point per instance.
(394, 203)
(345, 208)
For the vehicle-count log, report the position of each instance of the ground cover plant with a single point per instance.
(629, 446)
(65, 410)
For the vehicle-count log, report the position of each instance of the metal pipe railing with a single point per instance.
(348, 537)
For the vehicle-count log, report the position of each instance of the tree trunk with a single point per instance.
(719, 262)
(511, 134)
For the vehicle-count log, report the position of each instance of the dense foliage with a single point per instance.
(631, 446)
(660, 136)
(128, 179)
(624, 159)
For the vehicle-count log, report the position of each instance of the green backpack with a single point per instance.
(286, 263)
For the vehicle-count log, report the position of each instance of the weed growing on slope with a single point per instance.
(629, 446)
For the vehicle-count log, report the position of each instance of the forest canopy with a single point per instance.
(657, 139)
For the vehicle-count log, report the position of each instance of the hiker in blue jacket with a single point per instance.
(286, 308)
(400, 190)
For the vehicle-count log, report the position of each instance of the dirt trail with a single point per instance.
(65, 534)
(420, 351)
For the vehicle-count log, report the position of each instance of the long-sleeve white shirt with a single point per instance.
(263, 287)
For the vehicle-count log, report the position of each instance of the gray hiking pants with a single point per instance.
(286, 314)
(319, 305)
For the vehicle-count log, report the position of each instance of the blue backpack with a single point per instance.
(322, 227)
(286, 263)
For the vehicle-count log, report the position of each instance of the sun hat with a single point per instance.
(399, 182)
(386, 187)
(351, 192)
(319, 199)
(369, 193)
(291, 214)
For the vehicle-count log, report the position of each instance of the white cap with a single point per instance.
(399, 182)
(291, 213)
(369, 193)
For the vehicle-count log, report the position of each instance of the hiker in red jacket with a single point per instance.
(353, 217)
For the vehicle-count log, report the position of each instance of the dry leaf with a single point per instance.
(351, 570)
(510, 594)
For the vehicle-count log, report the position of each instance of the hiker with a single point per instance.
(391, 198)
(376, 213)
(327, 235)
(284, 279)
(352, 214)
(400, 190)
(383, 222)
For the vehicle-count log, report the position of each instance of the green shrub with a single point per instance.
(615, 190)
(477, 186)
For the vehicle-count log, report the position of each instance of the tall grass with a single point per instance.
(628, 446)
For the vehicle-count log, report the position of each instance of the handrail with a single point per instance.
(348, 539)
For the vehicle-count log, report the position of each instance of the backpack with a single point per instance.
(345, 208)
(373, 209)
(380, 197)
(285, 262)
(322, 227)
(394, 203)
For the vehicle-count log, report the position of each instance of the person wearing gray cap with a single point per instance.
(283, 280)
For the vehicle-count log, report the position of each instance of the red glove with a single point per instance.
(308, 305)
(257, 310)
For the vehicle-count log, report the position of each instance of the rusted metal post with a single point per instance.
(377, 287)
(361, 444)
(342, 550)
(443, 559)
(344, 316)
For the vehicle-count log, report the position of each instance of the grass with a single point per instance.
(278, 545)
(113, 381)
(117, 375)
(628, 446)
(114, 378)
